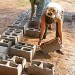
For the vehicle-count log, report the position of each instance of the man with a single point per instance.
(40, 5)
(52, 13)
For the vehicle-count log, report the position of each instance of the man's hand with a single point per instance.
(39, 42)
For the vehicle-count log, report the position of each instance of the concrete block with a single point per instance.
(35, 68)
(19, 60)
(23, 27)
(13, 39)
(3, 36)
(9, 31)
(51, 45)
(31, 46)
(3, 56)
(21, 52)
(28, 46)
(32, 32)
(18, 36)
(26, 26)
(3, 49)
(6, 43)
(18, 33)
(48, 69)
(41, 68)
(3, 52)
(10, 68)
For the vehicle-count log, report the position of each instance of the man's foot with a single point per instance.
(60, 52)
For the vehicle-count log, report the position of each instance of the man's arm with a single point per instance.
(60, 29)
(42, 28)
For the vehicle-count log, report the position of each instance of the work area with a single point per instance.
(22, 53)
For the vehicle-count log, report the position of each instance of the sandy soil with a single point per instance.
(64, 64)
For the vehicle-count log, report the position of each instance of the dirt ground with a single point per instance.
(64, 64)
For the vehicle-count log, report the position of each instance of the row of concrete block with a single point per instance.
(22, 22)
(23, 50)
(13, 35)
(12, 32)
(12, 66)
(40, 68)
(20, 49)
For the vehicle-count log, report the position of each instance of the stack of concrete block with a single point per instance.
(32, 32)
(41, 68)
(10, 68)
(5, 43)
(20, 51)
(18, 60)
(3, 52)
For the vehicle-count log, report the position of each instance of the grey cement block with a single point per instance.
(3, 36)
(3, 56)
(3, 52)
(13, 39)
(51, 45)
(23, 27)
(26, 26)
(48, 68)
(32, 32)
(19, 60)
(31, 46)
(3, 49)
(35, 68)
(6, 43)
(41, 68)
(18, 36)
(8, 32)
(18, 33)
(10, 68)
(21, 52)
(28, 46)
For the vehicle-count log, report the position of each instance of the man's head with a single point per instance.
(54, 11)
(51, 12)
